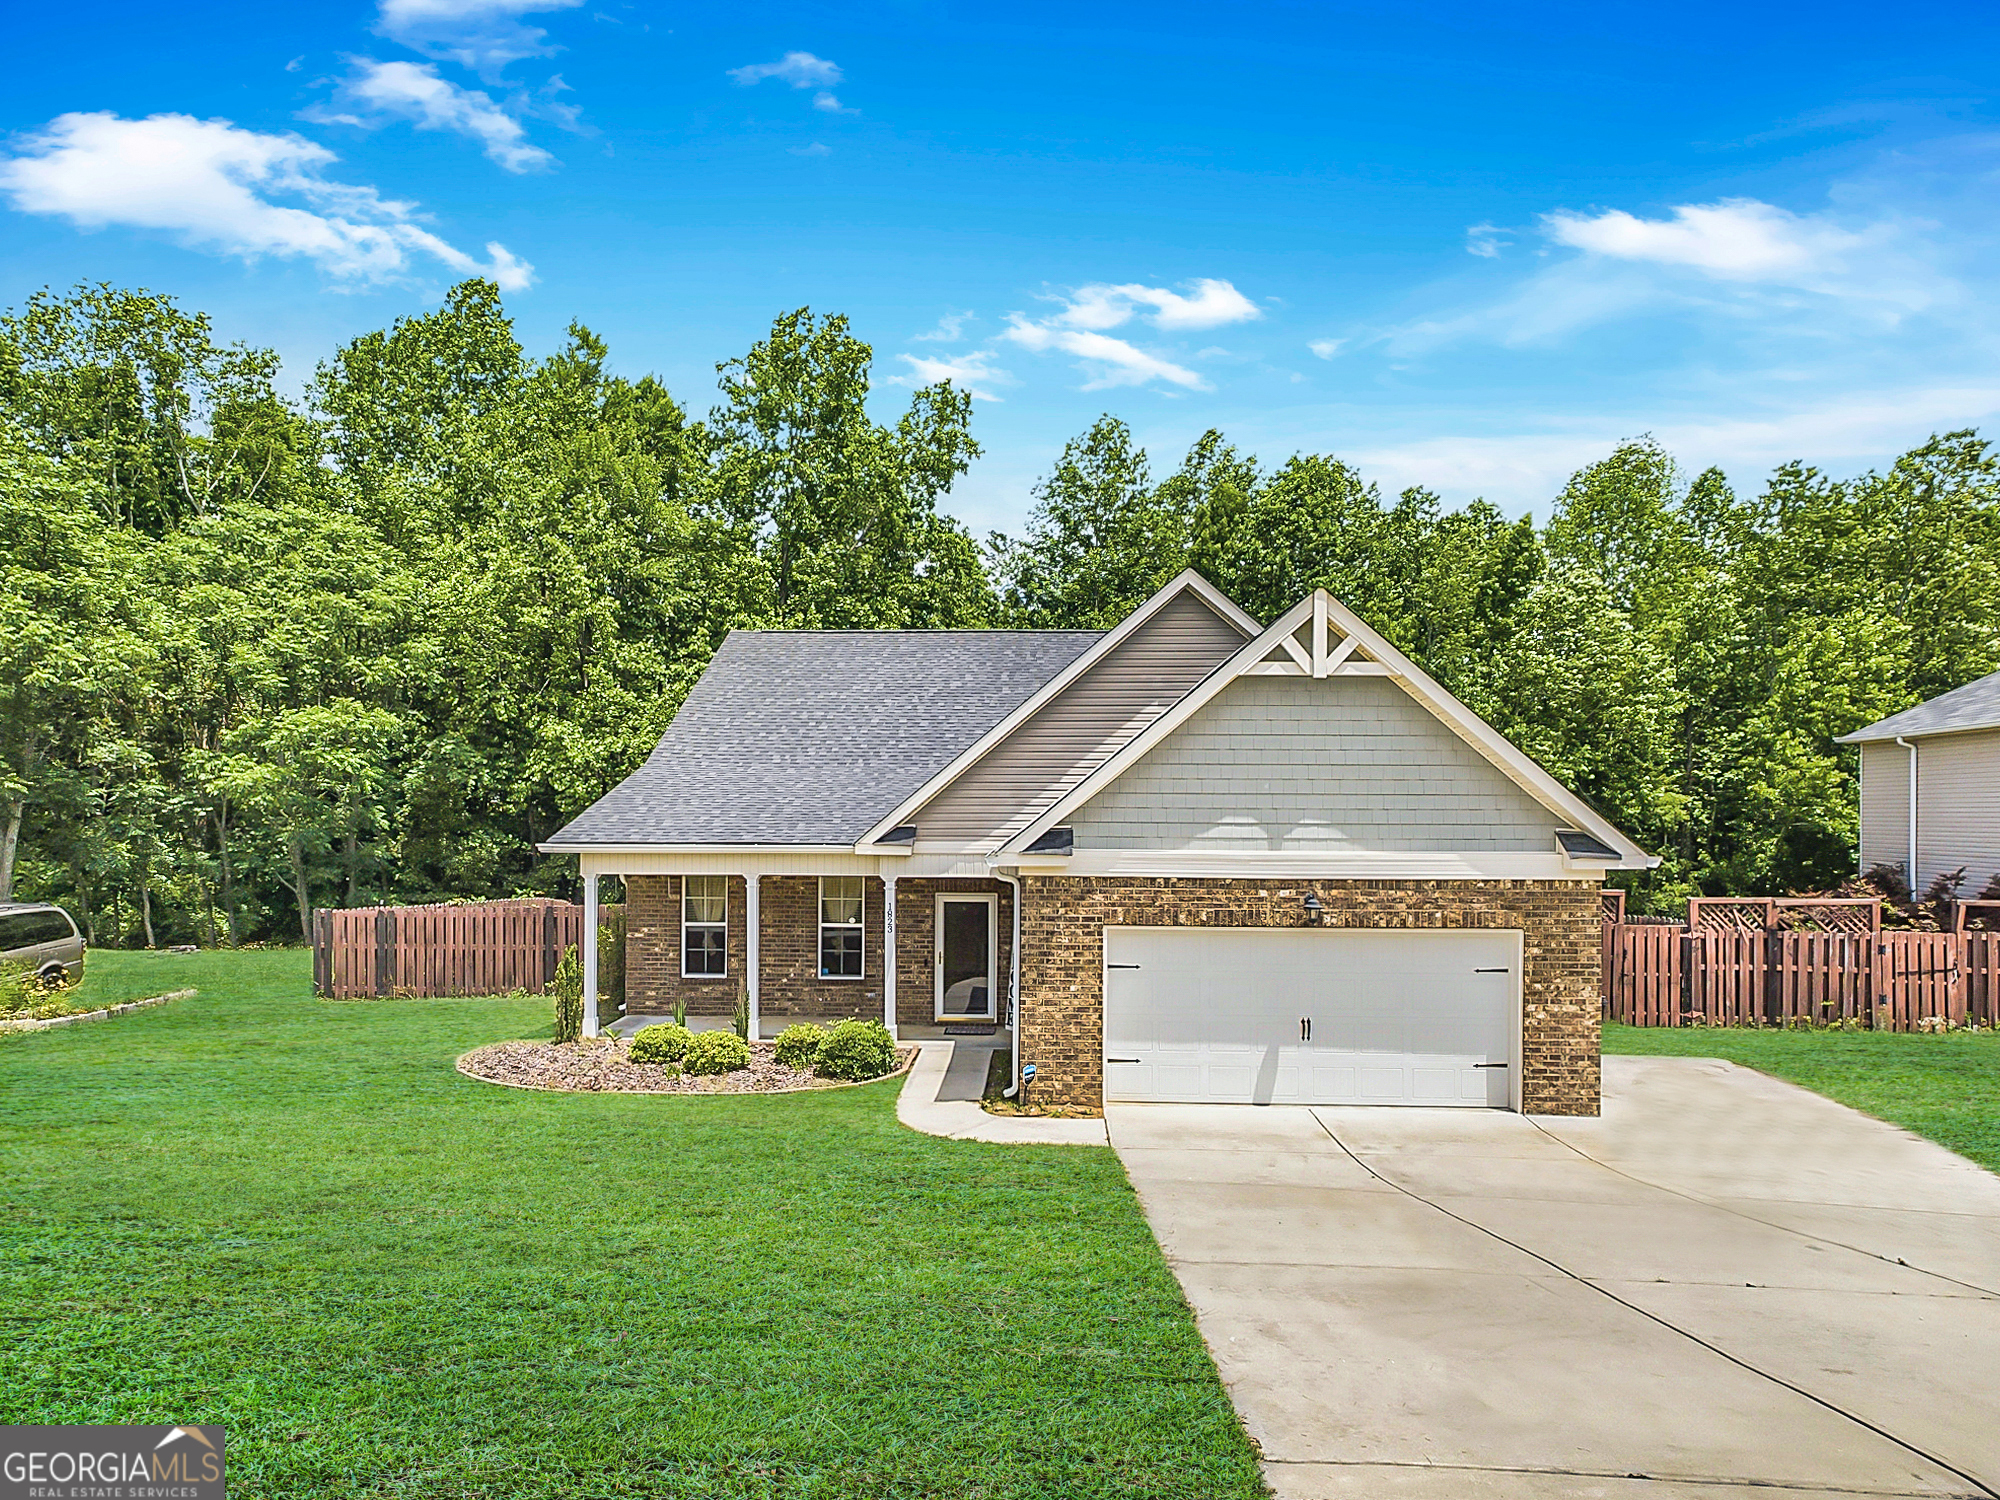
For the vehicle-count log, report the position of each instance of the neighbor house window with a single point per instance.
(840, 905)
(704, 925)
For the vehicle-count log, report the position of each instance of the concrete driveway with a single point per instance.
(1725, 1282)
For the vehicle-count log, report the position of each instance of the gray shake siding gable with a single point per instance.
(1084, 724)
(1298, 765)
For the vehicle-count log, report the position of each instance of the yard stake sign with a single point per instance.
(171, 1462)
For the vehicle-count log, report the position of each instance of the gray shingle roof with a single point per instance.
(812, 736)
(1974, 706)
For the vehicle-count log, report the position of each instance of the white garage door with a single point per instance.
(1310, 1016)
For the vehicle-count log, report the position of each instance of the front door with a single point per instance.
(967, 954)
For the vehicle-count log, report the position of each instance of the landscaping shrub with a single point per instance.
(568, 989)
(855, 1050)
(660, 1044)
(799, 1045)
(714, 1052)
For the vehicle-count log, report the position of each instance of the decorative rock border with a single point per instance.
(675, 1086)
(96, 1015)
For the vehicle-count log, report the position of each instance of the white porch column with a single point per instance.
(889, 953)
(589, 946)
(751, 925)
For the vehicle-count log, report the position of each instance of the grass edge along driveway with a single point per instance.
(294, 1218)
(1943, 1087)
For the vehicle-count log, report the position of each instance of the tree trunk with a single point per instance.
(228, 875)
(298, 857)
(10, 843)
(146, 908)
(353, 853)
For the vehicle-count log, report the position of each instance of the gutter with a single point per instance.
(1014, 986)
(1909, 746)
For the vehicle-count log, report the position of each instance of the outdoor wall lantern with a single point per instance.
(1315, 908)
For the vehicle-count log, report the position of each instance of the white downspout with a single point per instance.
(1014, 986)
(753, 929)
(1913, 815)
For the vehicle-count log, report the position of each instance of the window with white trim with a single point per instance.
(704, 926)
(841, 904)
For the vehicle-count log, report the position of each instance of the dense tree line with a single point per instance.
(258, 656)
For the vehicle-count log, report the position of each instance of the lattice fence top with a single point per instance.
(1857, 915)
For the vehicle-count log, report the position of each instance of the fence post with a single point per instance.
(550, 957)
(385, 956)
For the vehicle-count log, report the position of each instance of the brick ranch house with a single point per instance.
(1186, 859)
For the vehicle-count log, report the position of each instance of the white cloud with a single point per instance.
(817, 148)
(216, 187)
(948, 331)
(800, 69)
(1737, 239)
(1078, 328)
(1111, 362)
(1485, 241)
(971, 372)
(830, 103)
(483, 35)
(1211, 304)
(414, 92)
(1326, 348)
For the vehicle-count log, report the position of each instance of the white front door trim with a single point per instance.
(991, 902)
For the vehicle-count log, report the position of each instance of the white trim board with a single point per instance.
(1187, 581)
(1183, 864)
(1325, 613)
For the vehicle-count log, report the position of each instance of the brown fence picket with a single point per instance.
(474, 948)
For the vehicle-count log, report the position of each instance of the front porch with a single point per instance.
(928, 955)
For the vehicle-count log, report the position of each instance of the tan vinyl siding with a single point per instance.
(1293, 764)
(1078, 729)
(1958, 807)
(1885, 805)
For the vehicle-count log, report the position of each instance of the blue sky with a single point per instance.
(1456, 246)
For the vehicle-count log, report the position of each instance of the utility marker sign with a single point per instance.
(111, 1463)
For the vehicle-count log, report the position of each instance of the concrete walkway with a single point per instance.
(941, 1097)
(1726, 1286)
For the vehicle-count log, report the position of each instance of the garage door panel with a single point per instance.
(1397, 1017)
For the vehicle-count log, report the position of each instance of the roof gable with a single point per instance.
(1974, 706)
(1078, 718)
(1321, 638)
(807, 737)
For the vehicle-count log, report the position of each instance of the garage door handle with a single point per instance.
(1492, 971)
(1489, 1065)
(1121, 966)
(1121, 1059)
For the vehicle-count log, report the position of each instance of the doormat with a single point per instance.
(970, 1030)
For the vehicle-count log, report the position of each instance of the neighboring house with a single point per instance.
(1237, 864)
(1930, 788)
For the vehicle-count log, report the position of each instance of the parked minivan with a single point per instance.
(41, 939)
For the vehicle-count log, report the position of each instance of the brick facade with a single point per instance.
(1062, 974)
(788, 932)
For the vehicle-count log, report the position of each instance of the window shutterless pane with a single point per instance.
(50, 927)
(840, 952)
(706, 898)
(840, 899)
(707, 951)
(14, 931)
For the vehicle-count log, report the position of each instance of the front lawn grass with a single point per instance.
(1945, 1087)
(292, 1217)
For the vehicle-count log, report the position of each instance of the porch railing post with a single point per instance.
(589, 955)
(751, 925)
(889, 953)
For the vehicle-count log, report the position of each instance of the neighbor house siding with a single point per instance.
(1885, 805)
(1958, 807)
(1078, 729)
(1297, 764)
(1062, 961)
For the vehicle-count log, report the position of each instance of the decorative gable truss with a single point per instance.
(1321, 638)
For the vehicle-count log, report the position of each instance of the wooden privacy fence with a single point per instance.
(1796, 966)
(479, 948)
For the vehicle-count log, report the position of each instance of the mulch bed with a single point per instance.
(602, 1067)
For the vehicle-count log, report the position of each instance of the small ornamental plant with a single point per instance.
(799, 1045)
(659, 1044)
(569, 997)
(855, 1050)
(713, 1052)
